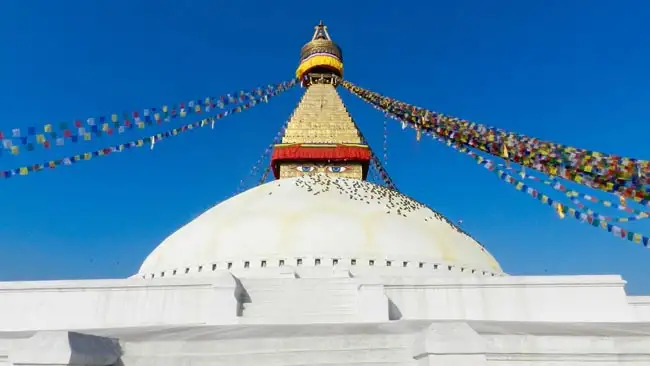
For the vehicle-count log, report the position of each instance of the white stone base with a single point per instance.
(415, 343)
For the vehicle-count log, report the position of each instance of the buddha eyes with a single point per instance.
(305, 168)
(331, 169)
(337, 169)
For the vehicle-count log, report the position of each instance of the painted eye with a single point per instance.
(337, 169)
(305, 168)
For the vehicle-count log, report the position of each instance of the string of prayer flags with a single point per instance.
(49, 135)
(265, 155)
(576, 197)
(590, 158)
(538, 163)
(572, 195)
(628, 176)
(377, 163)
(561, 209)
(147, 141)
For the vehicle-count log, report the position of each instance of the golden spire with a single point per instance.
(321, 136)
(321, 118)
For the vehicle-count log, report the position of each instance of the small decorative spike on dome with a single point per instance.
(320, 55)
(320, 32)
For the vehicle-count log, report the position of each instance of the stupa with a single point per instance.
(322, 267)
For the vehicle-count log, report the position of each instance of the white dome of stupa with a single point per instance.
(318, 221)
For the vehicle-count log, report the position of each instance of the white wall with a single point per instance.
(511, 298)
(55, 305)
(215, 299)
(640, 307)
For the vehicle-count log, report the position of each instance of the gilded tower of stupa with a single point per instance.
(321, 137)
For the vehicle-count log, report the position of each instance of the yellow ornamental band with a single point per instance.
(320, 60)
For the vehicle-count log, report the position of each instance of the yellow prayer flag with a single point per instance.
(114, 117)
(40, 138)
(183, 113)
(637, 238)
(105, 127)
(88, 156)
(87, 136)
(23, 170)
(15, 150)
(47, 128)
(558, 209)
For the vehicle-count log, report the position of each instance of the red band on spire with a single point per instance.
(328, 153)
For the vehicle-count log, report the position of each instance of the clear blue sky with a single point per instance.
(571, 71)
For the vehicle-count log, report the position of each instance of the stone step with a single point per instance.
(305, 295)
(256, 310)
(321, 140)
(339, 119)
(300, 300)
(305, 299)
(305, 320)
(333, 357)
(298, 124)
(302, 283)
(187, 361)
(269, 339)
